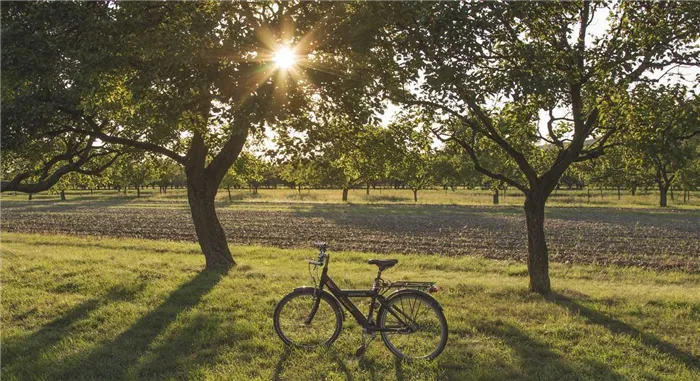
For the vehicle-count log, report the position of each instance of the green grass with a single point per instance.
(103, 309)
(176, 198)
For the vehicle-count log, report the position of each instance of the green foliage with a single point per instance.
(248, 170)
(667, 123)
(413, 156)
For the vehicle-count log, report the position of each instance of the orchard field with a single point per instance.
(628, 232)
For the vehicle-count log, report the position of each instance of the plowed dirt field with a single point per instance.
(645, 238)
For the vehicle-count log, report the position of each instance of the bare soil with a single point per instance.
(644, 238)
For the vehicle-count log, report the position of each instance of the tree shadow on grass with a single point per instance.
(618, 327)
(539, 361)
(16, 353)
(113, 359)
(326, 355)
(32, 349)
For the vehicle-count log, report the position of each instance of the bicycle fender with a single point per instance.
(311, 290)
(432, 300)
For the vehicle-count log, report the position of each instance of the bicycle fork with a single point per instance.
(314, 309)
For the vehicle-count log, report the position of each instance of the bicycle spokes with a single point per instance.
(307, 321)
(422, 328)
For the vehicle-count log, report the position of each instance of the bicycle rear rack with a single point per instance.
(422, 286)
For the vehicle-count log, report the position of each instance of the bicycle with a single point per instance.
(410, 321)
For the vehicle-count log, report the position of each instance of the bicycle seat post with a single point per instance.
(375, 287)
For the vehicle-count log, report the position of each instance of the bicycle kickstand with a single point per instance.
(366, 339)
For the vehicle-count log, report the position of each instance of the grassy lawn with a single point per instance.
(103, 309)
(177, 198)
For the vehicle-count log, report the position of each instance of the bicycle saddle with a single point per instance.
(383, 263)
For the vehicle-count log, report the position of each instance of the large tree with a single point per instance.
(187, 81)
(519, 75)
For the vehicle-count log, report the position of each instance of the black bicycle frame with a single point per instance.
(343, 297)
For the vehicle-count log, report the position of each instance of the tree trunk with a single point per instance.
(367, 189)
(619, 195)
(63, 195)
(299, 189)
(495, 196)
(229, 193)
(210, 234)
(415, 195)
(138, 191)
(537, 258)
(634, 190)
(589, 195)
(663, 192)
(90, 191)
(345, 194)
(30, 196)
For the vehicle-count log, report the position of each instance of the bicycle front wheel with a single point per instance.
(418, 329)
(298, 322)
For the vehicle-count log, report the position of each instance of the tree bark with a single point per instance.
(30, 196)
(537, 259)
(367, 189)
(415, 195)
(663, 195)
(229, 193)
(63, 195)
(495, 196)
(345, 194)
(138, 191)
(202, 185)
(210, 234)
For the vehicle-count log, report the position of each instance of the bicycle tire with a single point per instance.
(327, 304)
(395, 301)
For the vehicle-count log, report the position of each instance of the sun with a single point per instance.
(284, 58)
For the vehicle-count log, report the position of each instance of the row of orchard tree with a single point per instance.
(87, 83)
(664, 153)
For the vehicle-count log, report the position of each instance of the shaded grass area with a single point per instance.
(108, 309)
(177, 198)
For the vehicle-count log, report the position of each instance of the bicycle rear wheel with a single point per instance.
(295, 327)
(421, 328)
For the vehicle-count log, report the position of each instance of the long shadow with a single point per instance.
(113, 359)
(618, 327)
(184, 349)
(279, 367)
(289, 352)
(398, 366)
(538, 359)
(30, 349)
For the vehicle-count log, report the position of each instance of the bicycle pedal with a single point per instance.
(360, 350)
